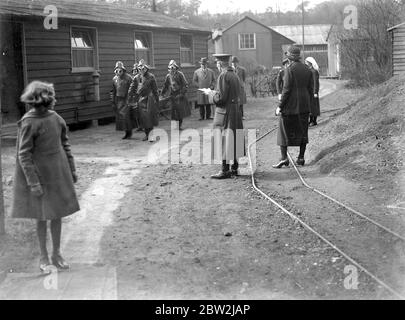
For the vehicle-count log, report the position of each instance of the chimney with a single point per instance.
(217, 38)
(154, 5)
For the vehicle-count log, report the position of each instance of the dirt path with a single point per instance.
(159, 231)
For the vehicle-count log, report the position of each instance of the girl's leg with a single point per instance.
(56, 231)
(41, 232)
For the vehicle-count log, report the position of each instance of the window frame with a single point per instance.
(254, 41)
(187, 64)
(94, 34)
(151, 63)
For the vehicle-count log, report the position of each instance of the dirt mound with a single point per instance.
(365, 141)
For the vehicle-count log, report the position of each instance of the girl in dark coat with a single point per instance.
(123, 115)
(147, 97)
(315, 107)
(176, 85)
(294, 108)
(45, 170)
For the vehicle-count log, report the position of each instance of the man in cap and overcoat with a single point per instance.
(204, 78)
(147, 98)
(242, 74)
(294, 107)
(228, 116)
(176, 86)
(119, 96)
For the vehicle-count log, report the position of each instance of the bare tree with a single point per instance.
(366, 52)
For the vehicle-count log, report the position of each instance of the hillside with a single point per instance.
(364, 141)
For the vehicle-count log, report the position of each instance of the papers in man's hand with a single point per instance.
(210, 93)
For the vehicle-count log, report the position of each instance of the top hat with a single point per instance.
(293, 53)
(235, 59)
(203, 61)
(224, 57)
(119, 65)
(173, 63)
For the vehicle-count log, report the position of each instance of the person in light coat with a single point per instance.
(204, 78)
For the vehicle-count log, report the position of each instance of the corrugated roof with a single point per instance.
(314, 34)
(97, 12)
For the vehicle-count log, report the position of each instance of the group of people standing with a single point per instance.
(298, 89)
(136, 99)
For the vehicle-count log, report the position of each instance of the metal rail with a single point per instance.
(309, 228)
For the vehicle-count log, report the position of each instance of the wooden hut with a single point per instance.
(81, 48)
(398, 48)
(254, 43)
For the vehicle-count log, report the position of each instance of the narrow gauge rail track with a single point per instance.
(313, 231)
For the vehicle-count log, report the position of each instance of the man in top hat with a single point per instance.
(203, 78)
(147, 98)
(228, 116)
(241, 72)
(294, 107)
(280, 78)
(176, 86)
(119, 95)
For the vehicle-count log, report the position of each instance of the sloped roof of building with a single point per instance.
(259, 23)
(88, 10)
(314, 34)
(397, 26)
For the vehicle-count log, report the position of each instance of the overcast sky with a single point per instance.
(223, 6)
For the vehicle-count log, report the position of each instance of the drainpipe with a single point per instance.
(96, 84)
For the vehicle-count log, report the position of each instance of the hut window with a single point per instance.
(247, 41)
(83, 49)
(186, 49)
(143, 47)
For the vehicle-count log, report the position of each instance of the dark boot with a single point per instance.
(180, 124)
(224, 173)
(301, 156)
(128, 134)
(234, 168)
(147, 131)
(314, 121)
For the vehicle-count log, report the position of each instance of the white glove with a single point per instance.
(279, 97)
(315, 96)
(278, 111)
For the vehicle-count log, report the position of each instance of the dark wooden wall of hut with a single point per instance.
(398, 52)
(48, 58)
